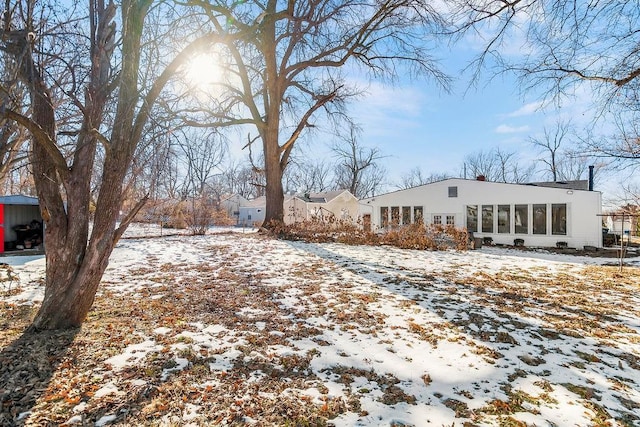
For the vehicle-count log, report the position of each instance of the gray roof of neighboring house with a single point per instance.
(235, 197)
(19, 199)
(582, 184)
(323, 197)
(258, 202)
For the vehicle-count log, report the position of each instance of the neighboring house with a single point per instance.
(541, 214)
(340, 204)
(231, 205)
(20, 222)
(624, 220)
(252, 212)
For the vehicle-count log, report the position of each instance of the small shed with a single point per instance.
(21, 224)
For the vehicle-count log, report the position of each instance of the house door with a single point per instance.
(366, 222)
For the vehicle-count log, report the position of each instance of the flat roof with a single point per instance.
(19, 199)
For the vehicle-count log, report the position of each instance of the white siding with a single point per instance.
(582, 208)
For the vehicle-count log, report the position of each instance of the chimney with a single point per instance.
(591, 178)
(480, 178)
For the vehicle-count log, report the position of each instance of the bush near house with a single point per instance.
(412, 236)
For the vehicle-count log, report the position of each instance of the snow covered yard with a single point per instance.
(234, 329)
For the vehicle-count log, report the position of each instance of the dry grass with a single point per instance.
(59, 376)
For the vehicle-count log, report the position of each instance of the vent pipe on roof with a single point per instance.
(591, 178)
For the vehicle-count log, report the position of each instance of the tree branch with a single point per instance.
(41, 137)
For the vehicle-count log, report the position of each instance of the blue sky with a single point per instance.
(418, 125)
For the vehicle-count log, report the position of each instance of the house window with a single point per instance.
(437, 219)
(451, 220)
(453, 191)
(521, 219)
(249, 217)
(472, 218)
(406, 214)
(504, 223)
(417, 214)
(539, 219)
(487, 218)
(384, 217)
(395, 215)
(559, 219)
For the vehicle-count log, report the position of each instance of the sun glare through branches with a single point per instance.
(203, 73)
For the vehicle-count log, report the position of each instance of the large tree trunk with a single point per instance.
(274, 214)
(75, 264)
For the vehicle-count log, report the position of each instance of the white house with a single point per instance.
(231, 204)
(541, 214)
(623, 221)
(340, 204)
(252, 212)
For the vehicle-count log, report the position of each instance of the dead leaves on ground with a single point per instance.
(272, 382)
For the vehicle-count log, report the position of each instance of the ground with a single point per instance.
(237, 328)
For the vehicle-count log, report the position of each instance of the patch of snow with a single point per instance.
(180, 362)
(76, 419)
(106, 419)
(107, 389)
(190, 412)
(133, 354)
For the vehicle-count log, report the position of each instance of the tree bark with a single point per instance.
(74, 268)
(274, 212)
(76, 260)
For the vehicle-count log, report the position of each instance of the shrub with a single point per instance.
(221, 217)
(198, 214)
(327, 229)
(412, 236)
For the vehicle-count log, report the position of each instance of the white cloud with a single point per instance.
(390, 99)
(526, 110)
(511, 129)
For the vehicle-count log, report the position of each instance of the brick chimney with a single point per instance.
(480, 178)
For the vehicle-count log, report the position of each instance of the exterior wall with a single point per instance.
(18, 215)
(295, 209)
(251, 215)
(583, 226)
(232, 206)
(616, 226)
(343, 206)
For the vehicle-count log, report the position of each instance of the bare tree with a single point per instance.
(416, 177)
(567, 45)
(65, 55)
(312, 176)
(372, 182)
(550, 145)
(243, 179)
(510, 168)
(562, 157)
(202, 153)
(357, 169)
(287, 65)
(498, 166)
